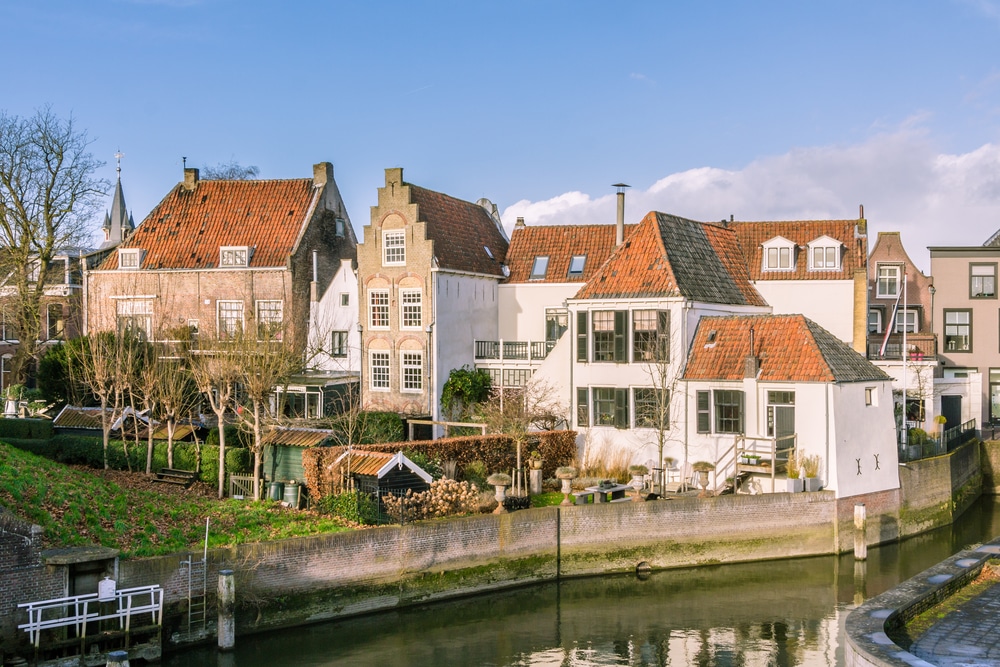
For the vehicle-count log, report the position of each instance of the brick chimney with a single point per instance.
(322, 174)
(190, 178)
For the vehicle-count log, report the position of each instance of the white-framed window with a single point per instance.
(875, 321)
(338, 344)
(393, 247)
(230, 317)
(129, 258)
(135, 316)
(411, 371)
(906, 320)
(779, 254)
(234, 255)
(539, 268)
(824, 254)
(410, 308)
(378, 309)
(345, 298)
(269, 319)
(887, 281)
(378, 370)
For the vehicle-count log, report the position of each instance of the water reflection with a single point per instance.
(779, 613)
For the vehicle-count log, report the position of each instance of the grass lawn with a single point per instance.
(127, 511)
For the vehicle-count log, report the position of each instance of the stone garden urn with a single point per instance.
(703, 468)
(638, 473)
(566, 474)
(501, 481)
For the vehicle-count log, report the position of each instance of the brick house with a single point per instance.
(217, 256)
(428, 274)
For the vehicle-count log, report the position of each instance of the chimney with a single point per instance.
(190, 178)
(322, 174)
(519, 223)
(620, 220)
(751, 364)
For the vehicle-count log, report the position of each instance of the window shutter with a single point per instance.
(581, 336)
(621, 407)
(621, 333)
(704, 423)
(582, 407)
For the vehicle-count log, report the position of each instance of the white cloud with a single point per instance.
(904, 184)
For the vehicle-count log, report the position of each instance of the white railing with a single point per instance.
(80, 610)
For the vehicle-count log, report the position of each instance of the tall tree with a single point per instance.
(48, 192)
(216, 374)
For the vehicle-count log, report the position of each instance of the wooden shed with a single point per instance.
(380, 473)
(283, 451)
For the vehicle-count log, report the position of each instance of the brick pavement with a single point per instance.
(967, 637)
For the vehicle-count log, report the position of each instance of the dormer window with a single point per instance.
(234, 255)
(824, 254)
(539, 268)
(779, 254)
(129, 258)
(576, 264)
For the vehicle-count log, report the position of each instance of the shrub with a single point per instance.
(445, 497)
(352, 506)
(475, 473)
(810, 465)
(26, 429)
(235, 437)
(429, 464)
(917, 436)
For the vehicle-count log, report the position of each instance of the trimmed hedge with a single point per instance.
(497, 452)
(26, 429)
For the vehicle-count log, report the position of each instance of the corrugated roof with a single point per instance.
(560, 243)
(461, 232)
(297, 437)
(76, 417)
(187, 228)
(791, 348)
(363, 462)
(672, 256)
(752, 235)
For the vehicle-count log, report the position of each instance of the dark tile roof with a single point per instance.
(791, 348)
(187, 228)
(461, 232)
(560, 243)
(801, 232)
(672, 256)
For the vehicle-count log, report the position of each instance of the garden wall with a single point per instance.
(23, 577)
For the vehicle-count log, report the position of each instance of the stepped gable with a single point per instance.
(791, 348)
(187, 228)
(461, 232)
(672, 256)
(752, 235)
(560, 243)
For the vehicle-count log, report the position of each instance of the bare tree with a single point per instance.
(177, 396)
(48, 193)
(229, 171)
(216, 372)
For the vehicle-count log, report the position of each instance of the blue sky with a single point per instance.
(766, 110)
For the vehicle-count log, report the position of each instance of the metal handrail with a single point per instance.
(79, 610)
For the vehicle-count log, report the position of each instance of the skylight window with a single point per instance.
(576, 265)
(539, 268)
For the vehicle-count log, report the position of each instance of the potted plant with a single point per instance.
(703, 468)
(500, 480)
(566, 474)
(535, 460)
(810, 466)
(794, 483)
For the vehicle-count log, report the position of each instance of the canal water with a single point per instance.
(775, 613)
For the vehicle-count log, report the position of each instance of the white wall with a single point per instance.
(861, 432)
(465, 310)
(829, 303)
(522, 307)
(327, 316)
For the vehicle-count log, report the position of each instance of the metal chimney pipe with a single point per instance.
(620, 221)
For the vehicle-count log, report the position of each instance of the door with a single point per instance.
(781, 419)
(951, 408)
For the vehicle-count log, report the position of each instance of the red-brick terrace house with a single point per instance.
(216, 256)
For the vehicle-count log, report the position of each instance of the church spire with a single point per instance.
(118, 225)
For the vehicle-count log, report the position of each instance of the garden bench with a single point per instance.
(184, 478)
(584, 497)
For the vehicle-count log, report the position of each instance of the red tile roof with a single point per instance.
(560, 243)
(672, 256)
(791, 348)
(461, 231)
(752, 234)
(187, 228)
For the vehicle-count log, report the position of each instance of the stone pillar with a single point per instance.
(118, 659)
(860, 528)
(227, 602)
(535, 481)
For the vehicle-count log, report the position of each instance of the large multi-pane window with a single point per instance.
(378, 309)
(378, 370)
(887, 282)
(651, 406)
(609, 335)
(728, 410)
(10, 327)
(650, 335)
(230, 318)
(136, 316)
(982, 281)
(958, 330)
(412, 369)
(411, 307)
(610, 407)
(394, 247)
(269, 318)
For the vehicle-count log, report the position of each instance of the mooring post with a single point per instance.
(860, 532)
(118, 659)
(227, 601)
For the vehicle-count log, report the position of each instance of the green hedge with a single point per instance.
(26, 429)
(235, 437)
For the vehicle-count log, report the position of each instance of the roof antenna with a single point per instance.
(185, 161)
